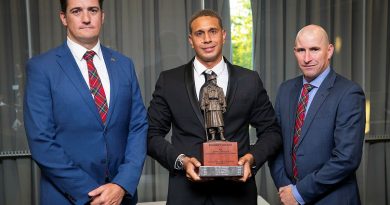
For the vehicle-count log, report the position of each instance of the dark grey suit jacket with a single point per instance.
(175, 105)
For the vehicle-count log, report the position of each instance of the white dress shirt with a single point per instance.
(220, 69)
(78, 52)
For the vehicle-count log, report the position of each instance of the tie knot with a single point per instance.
(211, 76)
(308, 87)
(89, 55)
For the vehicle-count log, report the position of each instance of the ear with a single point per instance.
(223, 35)
(63, 18)
(190, 40)
(102, 16)
(330, 51)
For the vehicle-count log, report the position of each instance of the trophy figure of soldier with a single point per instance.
(220, 156)
(213, 105)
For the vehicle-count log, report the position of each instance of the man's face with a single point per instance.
(83, 19)
(313, 53)
(207, 39)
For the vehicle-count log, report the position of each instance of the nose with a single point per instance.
(86, 18)
(307, 57)
(207, 38)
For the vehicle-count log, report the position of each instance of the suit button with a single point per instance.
(103, 161)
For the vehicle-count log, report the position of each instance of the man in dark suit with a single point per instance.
(84, 116)
(322, 132)
(175, 105)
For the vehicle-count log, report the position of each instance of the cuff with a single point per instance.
(297, 196)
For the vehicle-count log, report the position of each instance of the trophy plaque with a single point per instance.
(220, 160)
(220, 157)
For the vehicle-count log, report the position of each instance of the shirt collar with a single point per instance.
(78, 51)
(319, 79)
(200, 68)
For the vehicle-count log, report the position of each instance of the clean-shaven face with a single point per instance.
(312, 51)
(83, 19)
(207, 39)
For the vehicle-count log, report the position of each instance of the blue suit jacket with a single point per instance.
(330, 146)
(67, 138)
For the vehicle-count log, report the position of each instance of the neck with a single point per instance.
(209, 64)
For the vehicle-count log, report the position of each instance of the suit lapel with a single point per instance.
(318, 100)
(232, 85)
(191, 91)
(114, 75)
(72, 72)
(294, 97)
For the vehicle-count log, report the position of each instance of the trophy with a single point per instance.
(220, 156)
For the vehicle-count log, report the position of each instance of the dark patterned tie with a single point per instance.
(96, 86)
(299, 120)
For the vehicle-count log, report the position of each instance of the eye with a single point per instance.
(299, 50)
(94, 10)
(198, 33)
(315, 49)
(213, 31)
(75, 11)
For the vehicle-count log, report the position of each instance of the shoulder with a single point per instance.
(116, 55)
(47, 57)
(344, 87)
(341, 81)
(288, 85)
(241, 71)
(177, 72)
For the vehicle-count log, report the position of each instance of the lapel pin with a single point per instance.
(113, 59)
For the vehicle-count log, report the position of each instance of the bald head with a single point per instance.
(313, 31)
(313, 51)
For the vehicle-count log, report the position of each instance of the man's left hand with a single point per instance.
(246, 161)
(108, 194)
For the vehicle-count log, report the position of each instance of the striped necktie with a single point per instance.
(96, 86)
(299, 120)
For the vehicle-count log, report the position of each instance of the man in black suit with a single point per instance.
(175, 105)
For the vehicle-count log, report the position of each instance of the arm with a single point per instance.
(41, 134)
(267, 129)
(160, 118)
(130, 171)
(276, 164)
(348, 138)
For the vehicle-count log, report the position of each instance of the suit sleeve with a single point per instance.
(130, 171)
(160, 118)
(41, 133)
(263, 118)
(346, 155)
(276, 164)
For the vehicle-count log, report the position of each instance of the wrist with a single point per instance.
(179, 163)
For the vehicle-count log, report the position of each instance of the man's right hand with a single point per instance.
(191, 165)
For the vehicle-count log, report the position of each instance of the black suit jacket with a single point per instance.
(175, 105)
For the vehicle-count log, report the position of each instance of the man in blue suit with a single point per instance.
(323, 128)
(84, 115)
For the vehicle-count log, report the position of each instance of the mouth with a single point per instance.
(308, 66)
(209, 49)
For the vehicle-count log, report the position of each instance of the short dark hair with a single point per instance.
(64, 4)
(205, 12)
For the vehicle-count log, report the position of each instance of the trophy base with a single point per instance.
(221, 171)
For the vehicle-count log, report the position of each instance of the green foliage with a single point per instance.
(241, 33)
